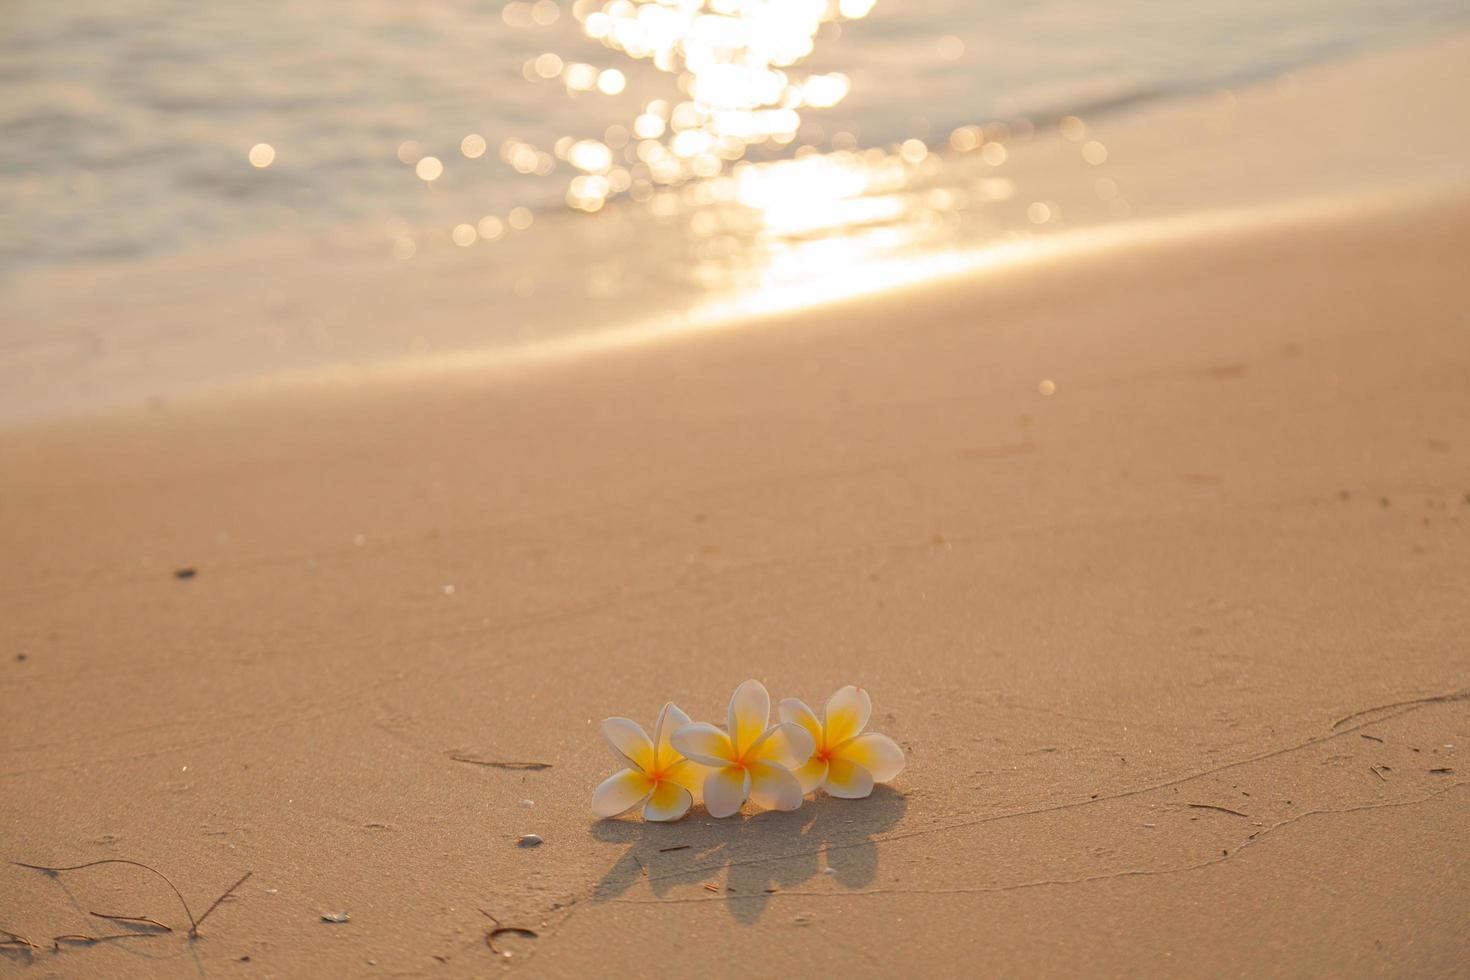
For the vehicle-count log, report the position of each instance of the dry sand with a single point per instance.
(1134, 636)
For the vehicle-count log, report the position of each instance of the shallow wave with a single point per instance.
(126, 127)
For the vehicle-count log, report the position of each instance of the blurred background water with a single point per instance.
(136, 127)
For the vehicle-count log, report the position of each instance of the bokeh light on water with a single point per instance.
(736, 64)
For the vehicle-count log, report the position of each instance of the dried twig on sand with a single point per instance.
(193, 922)
(1222, 809)
(215, 904)
(133, 920)
(498, 930)
(495, 764)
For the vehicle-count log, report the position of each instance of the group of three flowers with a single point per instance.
(774, 766)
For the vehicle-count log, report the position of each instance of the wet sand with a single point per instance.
(1177, 651)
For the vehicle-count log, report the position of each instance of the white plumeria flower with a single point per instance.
(845, 762)
(658, 777)
(750, 759)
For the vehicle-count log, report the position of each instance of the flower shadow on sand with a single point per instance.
(761, 855)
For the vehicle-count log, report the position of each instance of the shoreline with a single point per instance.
(286, 310)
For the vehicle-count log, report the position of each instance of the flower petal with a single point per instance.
(629, 742)
(750, 710)
(690, 775)
(670, 720)
(725, 790)
(705, 744)
(787, 745)
(878, 754)
(811, 775)
(773, 787)
(845, 714)
(669, 801)
(848, 780)
(796, 712)
(620, 792)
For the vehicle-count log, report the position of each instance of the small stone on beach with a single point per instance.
(336, 917)
(528, 840)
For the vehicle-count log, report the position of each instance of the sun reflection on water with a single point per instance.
(704, 85)
(734, 65)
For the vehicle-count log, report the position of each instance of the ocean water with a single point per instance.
(133, 128)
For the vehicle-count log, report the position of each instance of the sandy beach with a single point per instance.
(1153, 556)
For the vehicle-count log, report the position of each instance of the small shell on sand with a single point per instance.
(528, 840)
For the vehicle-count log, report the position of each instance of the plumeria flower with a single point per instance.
(845, 762)
(658, 777)
(750, 759)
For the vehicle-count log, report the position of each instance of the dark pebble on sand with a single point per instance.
(182, 573)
